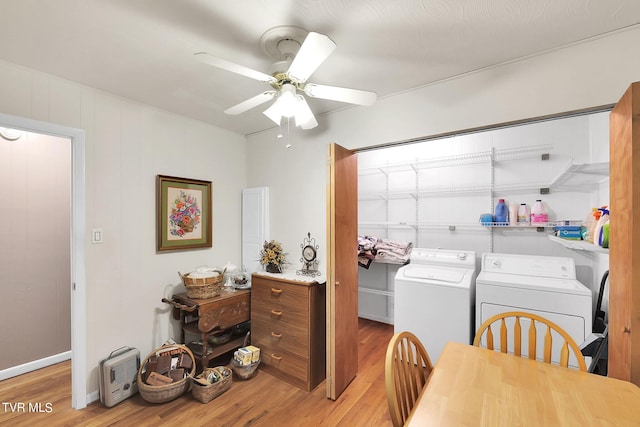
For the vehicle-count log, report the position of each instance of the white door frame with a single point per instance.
(78, 257)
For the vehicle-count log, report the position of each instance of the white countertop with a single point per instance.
(294, 276)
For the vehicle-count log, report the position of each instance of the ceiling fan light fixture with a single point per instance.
(10, 134)
(274, 114)
(304, 116)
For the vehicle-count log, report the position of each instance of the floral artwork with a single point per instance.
(185, 214)
(184, 219)
(272, 256)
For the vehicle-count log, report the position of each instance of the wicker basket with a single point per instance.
(201, 288)
(244, 372)
(206, 393)
(165, 393)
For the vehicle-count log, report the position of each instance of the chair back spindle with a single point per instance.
(566, 344)
(407, 368)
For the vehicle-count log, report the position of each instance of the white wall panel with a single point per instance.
(127, 145)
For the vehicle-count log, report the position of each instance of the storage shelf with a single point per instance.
(581, 177)
(458, 160)
(451, 226)
(375, 291)
(533, 225)
(578, 245)
(426, 192)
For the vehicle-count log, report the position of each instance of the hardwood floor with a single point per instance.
(261, 401)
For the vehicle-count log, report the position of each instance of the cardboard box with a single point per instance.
(243, 356)
(255, 353)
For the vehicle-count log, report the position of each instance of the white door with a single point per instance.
(255, 225)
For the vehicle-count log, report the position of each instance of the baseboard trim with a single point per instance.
(93, 397)
(14, 371)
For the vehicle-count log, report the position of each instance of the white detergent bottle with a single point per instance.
(513, 213)
(539, 213)
(524, 214)
(589, 225)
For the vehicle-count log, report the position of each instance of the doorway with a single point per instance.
(78, 273)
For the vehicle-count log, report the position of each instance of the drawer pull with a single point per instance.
(276, 313)
(276, 292)
(276, 335)
(276, 359)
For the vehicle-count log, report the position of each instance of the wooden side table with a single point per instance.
(205, 317)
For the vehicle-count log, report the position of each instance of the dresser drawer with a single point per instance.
(278, 295)
(284, 317)
(226, 313)
(279, 338)
(292, 365)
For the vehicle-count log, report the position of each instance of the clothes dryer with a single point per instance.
(543, 285)
(434, 297)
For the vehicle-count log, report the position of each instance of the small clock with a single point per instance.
(309, 257)
(309, 253)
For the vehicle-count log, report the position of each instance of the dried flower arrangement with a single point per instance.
(272, 256)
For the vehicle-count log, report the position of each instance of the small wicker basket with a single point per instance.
(206, 393)
(165, 393)
(202, 288)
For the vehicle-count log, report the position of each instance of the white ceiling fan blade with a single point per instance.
(234, 68)
(304, 116)
(314, 50)
(342, 94)
(251, 102)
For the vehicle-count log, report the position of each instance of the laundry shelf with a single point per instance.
(578, 245)
(451, 226)
(425, 192)
(534, 225)
(581, 177)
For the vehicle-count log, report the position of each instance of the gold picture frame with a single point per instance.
(183, 213)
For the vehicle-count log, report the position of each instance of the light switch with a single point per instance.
(96, 235)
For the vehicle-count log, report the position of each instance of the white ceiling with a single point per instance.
(143, 49)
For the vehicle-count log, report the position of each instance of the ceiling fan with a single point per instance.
(300, 60)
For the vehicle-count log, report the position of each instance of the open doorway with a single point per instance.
(77, 247)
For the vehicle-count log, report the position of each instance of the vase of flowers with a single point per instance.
(272, 256)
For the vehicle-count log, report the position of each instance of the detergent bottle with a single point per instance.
(589, 224)
(539, 213)
(524, 214)
(502, 213)
(604, 218)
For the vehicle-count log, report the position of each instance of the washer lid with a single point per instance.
(435, 274)
(545, 284)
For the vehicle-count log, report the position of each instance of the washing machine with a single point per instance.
(434, 297)
(543, 285)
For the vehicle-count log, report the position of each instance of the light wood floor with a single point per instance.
(260, 401)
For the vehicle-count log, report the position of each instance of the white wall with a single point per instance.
(127, 145)
(35, 255)
(585, 75)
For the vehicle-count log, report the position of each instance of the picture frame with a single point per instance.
(183, 213)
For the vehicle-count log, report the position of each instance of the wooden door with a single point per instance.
(342, 274)
(624, 250)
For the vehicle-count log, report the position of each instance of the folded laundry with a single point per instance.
(374, 249)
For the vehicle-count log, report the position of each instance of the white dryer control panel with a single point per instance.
(444, 257)
(537, 266)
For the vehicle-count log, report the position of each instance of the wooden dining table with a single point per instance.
(472, 386)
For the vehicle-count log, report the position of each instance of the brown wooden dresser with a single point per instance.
(288, 325)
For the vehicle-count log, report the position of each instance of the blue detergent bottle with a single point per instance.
(502, 213)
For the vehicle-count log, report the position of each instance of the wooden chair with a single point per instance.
(566, 341)
(407, 367)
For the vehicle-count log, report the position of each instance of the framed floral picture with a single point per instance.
(183, 213)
